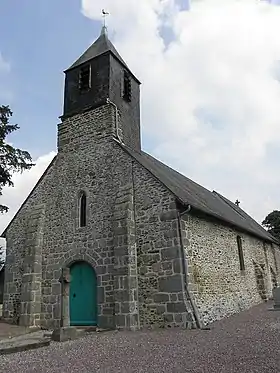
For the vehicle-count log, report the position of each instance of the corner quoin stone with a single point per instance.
(171, 284)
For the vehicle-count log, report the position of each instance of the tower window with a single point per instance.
(126, 87)
(240, 253)
(83, 210)
(84, 78)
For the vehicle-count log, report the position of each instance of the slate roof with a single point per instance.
(100, 46)
(190, 193)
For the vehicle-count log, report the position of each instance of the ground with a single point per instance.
(248, 342)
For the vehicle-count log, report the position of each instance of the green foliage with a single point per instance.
(2, 260)
(11, 159)
(272, 223)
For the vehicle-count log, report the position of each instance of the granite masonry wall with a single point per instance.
(88, 160)
(218, 285)
(131, 236)
(1, 284)
(161, 283)
(131, 239)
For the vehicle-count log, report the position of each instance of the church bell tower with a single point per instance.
(101, 77)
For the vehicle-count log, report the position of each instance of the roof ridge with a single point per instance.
(228, 202)
(247, 216)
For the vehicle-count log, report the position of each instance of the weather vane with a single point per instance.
(104, 15)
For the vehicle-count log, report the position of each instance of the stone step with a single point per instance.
(68, 333)
(24, 342)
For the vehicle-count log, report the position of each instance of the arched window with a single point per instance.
(83, 210)
(240, 253)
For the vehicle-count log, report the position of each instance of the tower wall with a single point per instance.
(129, 112)
(75, 101)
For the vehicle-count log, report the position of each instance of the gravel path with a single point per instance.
(245, 343)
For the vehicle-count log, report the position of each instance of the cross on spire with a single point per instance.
(104, 15)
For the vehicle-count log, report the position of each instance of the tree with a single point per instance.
(2, 260)
(272, 223)
(11, 159)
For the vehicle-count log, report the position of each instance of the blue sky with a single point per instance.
(42, 38)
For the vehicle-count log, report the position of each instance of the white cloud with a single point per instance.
(13, 197)
(211, 97)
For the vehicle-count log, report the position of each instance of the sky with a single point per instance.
(210, 93)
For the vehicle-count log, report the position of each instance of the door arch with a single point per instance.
(83, 294)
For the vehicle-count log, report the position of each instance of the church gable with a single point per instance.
(37, 195)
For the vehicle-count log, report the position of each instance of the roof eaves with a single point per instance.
(124, 65)
(233, 224)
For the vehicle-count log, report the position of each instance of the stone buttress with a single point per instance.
(125, 260)
(30, 298)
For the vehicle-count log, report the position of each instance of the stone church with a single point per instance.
(112, 237)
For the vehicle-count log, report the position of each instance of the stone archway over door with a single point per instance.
(83, 294)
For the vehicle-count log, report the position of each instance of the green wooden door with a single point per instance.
(83, 295)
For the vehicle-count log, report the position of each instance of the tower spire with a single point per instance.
(104, 30)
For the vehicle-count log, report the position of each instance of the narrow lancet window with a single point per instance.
(83, 210)
(126, 87)
(240, 253)
(84, 78)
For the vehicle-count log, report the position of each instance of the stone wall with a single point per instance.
(131, 239)
(161, 282)
(23, 239)
(88, 160)
(218, 285)
(2, 273)
(30, 297)
(127, 210)
(125, 260)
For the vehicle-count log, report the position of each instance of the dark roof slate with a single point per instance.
(200, 198)
(100, 46)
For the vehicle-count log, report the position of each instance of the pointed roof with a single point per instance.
(100, 46)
